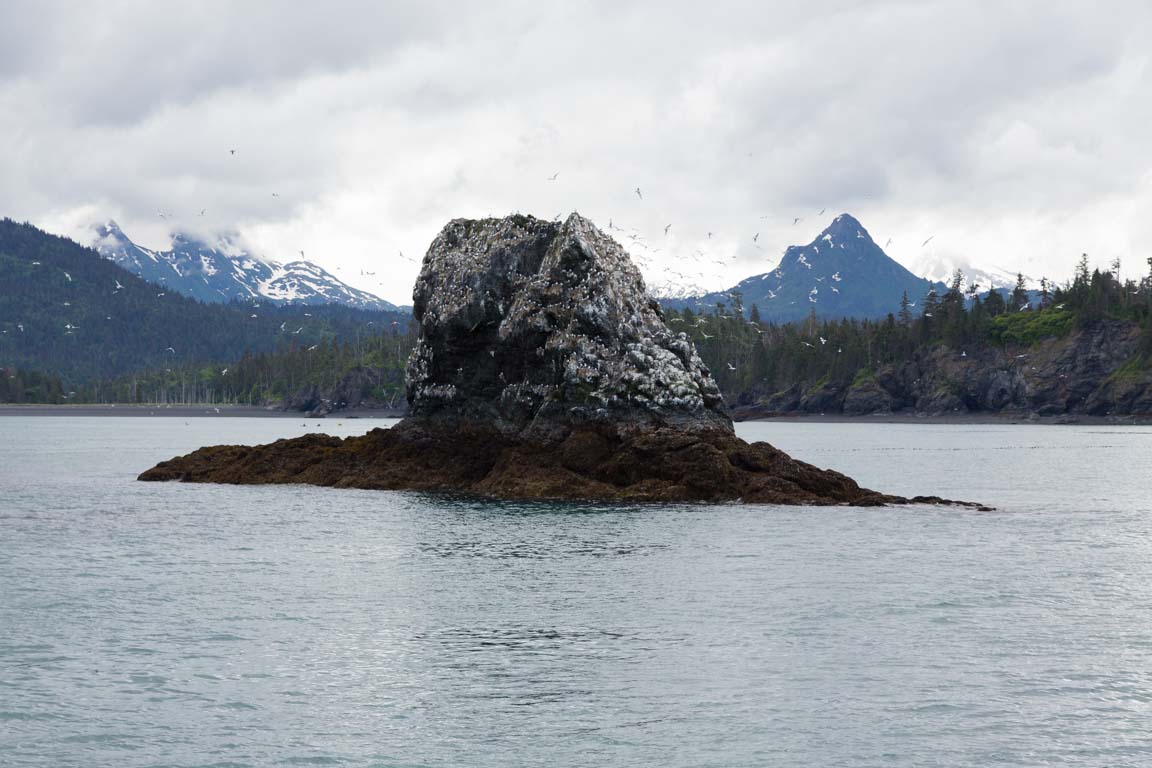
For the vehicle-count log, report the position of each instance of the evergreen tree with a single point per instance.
(1019, 294)
(905, 316)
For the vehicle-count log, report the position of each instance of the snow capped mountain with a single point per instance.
(842, 273)
(942, 268)
(225, 270)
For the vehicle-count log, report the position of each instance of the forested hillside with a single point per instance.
(1082, 348)
(330, 375)
(1085, 347)
(66, 311)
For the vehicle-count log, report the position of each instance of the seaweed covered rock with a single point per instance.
(543, 370)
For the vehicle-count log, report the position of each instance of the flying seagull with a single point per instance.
(638, 193)
(927, 241)
(553, 176)
(667, 227)
(796, 221)
(888, 243)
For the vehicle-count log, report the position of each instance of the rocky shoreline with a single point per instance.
(1096, 371)
(543, 370)
(591, 463)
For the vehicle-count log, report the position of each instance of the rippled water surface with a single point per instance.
(178, 625)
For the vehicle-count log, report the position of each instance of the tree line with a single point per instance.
(749, 358)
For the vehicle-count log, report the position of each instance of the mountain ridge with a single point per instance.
(67, 310)
(225, 270)
(840, 273)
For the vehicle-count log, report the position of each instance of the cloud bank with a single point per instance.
(1014, 133)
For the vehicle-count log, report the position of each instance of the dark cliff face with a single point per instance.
(538, 326)
(1095, 371)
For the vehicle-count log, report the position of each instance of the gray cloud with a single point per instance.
(1014, 131)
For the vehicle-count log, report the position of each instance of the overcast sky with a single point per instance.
(1015, 133)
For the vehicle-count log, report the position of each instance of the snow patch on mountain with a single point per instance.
(224, 270)
(940, 269)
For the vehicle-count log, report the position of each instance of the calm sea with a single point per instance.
(178, 625)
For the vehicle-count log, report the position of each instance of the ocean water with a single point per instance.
(179, 625)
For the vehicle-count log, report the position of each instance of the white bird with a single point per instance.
(705, 335)
(823, 341)
(927, 241)
(118, 286)
(224, 372)
(169, 349)
(638, 193)
(888, 243)
(314, 346)
(731, 367)
(553, 176)
(202, 210)
(67, 276)
(796, 221)
(161, 293)
(667, 227)
(813, 346)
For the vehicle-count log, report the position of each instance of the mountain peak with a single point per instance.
(841, 273)
(109, 229)
(219, 267)
(844, 228)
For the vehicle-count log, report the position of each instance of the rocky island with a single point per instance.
(543, 370)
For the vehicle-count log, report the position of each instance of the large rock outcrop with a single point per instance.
(543, 370)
